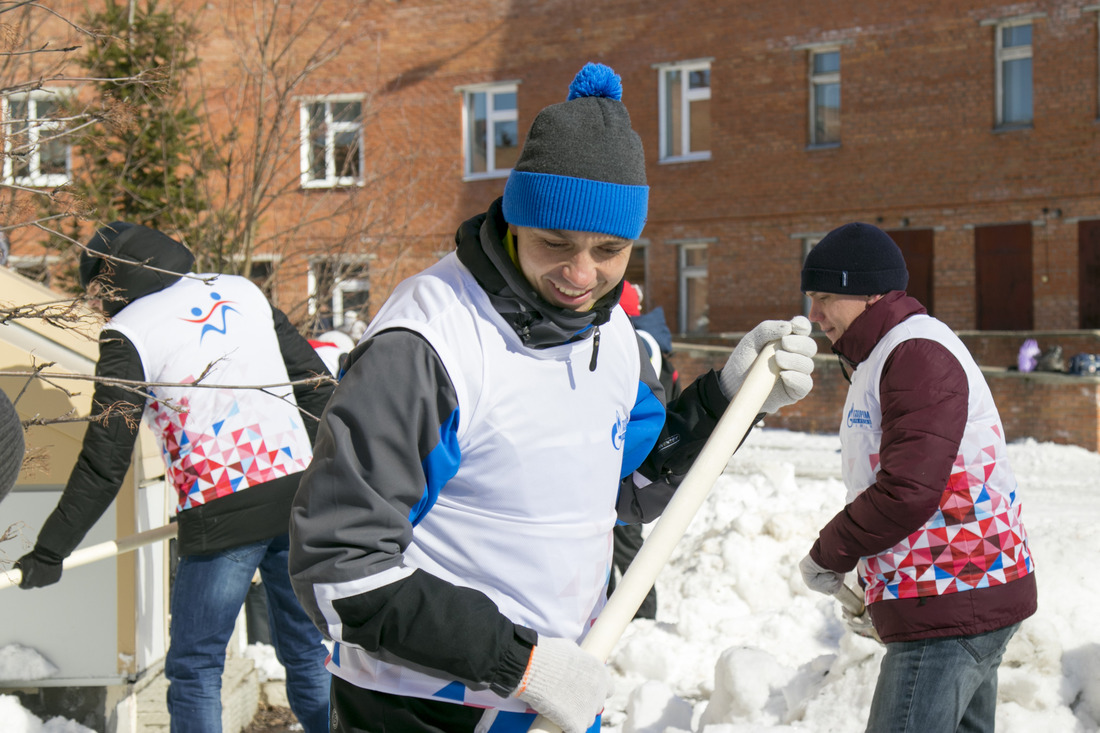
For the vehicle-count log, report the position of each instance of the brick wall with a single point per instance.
(1049, 407)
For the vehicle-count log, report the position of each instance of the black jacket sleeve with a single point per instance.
(351, 524)
(105, 454)
(302, 362)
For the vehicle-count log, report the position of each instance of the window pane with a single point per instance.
(695, 257)
(346, 154)
(53, 160)
(346, 111)
(506, 141)
(317, 141)
(826, 113)
(504, 101)
(45, 109)
(1016, 35)
(476, 145)
(827, 62)
(673, 113)
(696, 300)
(1017, 91)
(699, 118)
(699, 79)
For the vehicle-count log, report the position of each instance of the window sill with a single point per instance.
(330, 185)
(1013, 127)
(490, 176)
(822, 146)
(689, 158)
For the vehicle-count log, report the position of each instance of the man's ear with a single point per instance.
(872, 299)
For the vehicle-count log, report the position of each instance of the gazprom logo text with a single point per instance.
(859, 417)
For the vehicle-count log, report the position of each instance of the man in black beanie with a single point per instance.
(933, 517)
(453, 534)
(233, 456)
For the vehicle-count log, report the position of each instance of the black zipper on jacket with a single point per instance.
(595, 349)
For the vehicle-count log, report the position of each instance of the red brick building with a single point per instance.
(967, 129)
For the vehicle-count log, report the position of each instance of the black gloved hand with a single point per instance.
(39, 568)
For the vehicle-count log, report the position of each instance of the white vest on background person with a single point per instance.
(216, 441)
(527, 519)
(981, 482)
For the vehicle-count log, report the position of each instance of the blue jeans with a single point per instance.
(207, 596)
(946, 685)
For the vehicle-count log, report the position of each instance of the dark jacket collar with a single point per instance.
(869, 327)
(539, 324)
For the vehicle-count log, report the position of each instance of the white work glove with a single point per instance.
(794, 355)
(818, 578)
(565, 683)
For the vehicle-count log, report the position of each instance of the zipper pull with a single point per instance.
(595, 350)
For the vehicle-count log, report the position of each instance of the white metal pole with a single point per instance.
(103, 550)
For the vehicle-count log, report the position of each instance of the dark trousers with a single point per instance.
(628, 540)
(355, 710)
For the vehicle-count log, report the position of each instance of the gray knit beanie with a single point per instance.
(582, 167)
(12, 445)
(855, 259)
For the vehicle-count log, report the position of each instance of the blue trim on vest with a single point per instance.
(548, 201)
(647, 418)
(439, 466)
(455, 691)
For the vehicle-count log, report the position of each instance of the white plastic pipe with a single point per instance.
(103, 550)
(673, 522)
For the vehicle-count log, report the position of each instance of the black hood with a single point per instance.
(158, 261)
(539, 324)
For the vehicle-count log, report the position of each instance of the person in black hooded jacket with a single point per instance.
(234, 455)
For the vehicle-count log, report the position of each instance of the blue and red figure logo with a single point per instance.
(220, 307)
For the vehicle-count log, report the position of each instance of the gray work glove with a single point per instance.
(818, 578)
(564, 683)
(794, 354)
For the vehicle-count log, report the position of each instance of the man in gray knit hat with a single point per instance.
(453, 534)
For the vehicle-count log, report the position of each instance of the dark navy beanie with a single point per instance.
(582, 167)
(855, 259)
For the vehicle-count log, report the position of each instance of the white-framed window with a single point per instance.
(36, 151)
(693, 311)
(683, 91)
(1014, 73)
(37, 268)
(331, 141)
(490, 129)
(339, 291)
(263, 272)
(824, 96)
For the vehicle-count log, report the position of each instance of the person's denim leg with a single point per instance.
(939, 685)
(207, 595)
(298, 643)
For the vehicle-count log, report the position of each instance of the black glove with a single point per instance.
(39, 569)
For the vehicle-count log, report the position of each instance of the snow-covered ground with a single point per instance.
(741, 646)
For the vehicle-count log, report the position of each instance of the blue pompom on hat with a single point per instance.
(582, 167)
(855, 259)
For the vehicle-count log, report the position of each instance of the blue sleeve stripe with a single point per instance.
(439, 466)
(647, 418)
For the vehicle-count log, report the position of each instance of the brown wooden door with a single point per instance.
(1003, 270)
(1088, 268)
(916, 246)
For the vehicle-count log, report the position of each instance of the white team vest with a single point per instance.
(948, 554)
(528, 517)
(216, 442)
